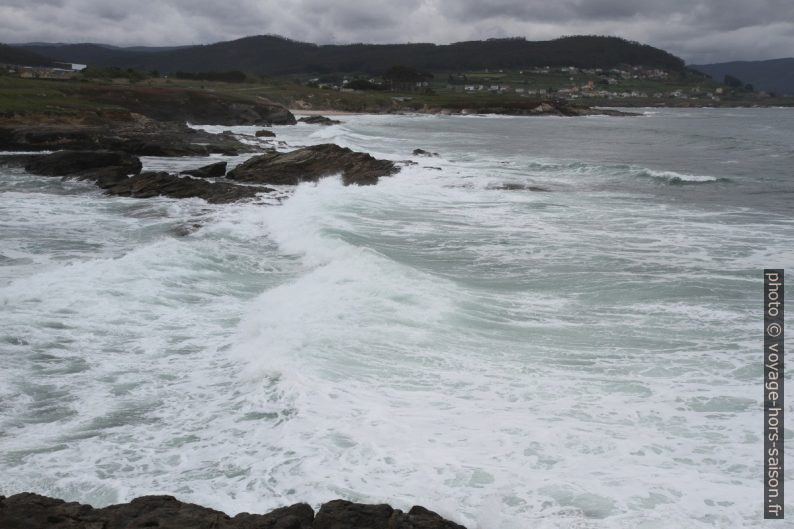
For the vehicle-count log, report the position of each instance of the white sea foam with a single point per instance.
(674, 177)
(575, 358)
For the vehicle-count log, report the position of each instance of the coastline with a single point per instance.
(545, 108)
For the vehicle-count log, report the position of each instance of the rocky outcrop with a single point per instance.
(152, 184)
(213, 170)
(120, 174)
(265, 134)
(32, 511)
(84, 164)
(119, 131)
(309, 164)
(319, 120)
(340, 514)
(172, 103)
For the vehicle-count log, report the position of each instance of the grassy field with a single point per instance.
(26, 96)
(42, 96)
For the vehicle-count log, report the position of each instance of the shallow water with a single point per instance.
(583, 356)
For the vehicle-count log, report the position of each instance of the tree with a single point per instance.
(404, 76)
(733, 82)
(363, 84)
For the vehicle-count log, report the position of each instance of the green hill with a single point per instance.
(775, 75)
(23, 57)
(271, 55)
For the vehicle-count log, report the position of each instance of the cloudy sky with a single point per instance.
(697, 30)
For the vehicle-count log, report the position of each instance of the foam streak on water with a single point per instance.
(583, 356)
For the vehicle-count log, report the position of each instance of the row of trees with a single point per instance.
(227, 77)
(736, 83)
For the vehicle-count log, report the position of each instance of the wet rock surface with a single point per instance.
(213, 170)
(518, 187)
(151, 184)
(309, 164)
(32, 511)
(131, 133)
(422, 152)
(319, 120)
(119, 173)
(83, 164)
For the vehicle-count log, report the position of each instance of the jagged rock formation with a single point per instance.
(309, 164)
(32, 511)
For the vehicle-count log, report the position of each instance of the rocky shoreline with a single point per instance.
(103, 145)
(120, 173)
(33, 511)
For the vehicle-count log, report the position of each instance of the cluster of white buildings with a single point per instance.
(590, 91)
(633, 72)
(58, 71)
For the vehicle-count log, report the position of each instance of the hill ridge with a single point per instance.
(274, 55)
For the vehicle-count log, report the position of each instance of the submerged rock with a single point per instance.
(265, 134)
(517, 187)
(422, 152)
(309, 164)
(212, 170)
(32, 511)
(319, 120)
(152, 184)
(84, 164)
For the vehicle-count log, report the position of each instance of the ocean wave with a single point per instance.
(675, 178)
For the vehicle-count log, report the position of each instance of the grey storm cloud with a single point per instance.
(697, 30)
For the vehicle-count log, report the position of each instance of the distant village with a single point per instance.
(602, 84)
(569, 83)
(59, 70)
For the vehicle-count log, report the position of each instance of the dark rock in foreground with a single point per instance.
(309, 164)
(319, 120)
(152, 184)
(340, 514)
(84, 164)
(32, 511)
(213, 170)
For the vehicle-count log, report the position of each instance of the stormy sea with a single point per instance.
(555, 322)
